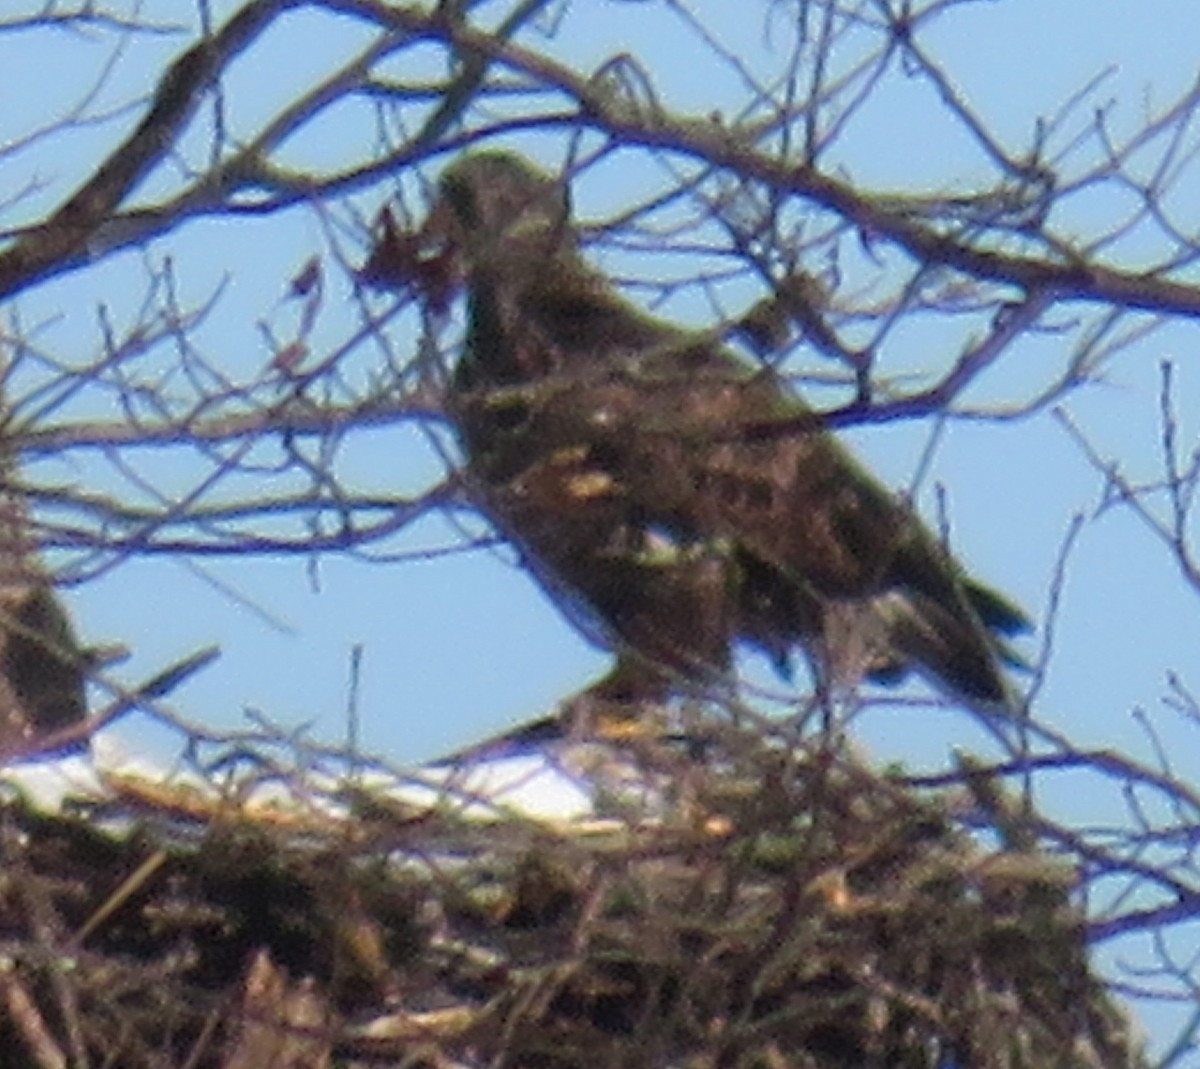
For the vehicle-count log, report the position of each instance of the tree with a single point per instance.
(198, 374)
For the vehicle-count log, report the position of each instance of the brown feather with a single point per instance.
(632, 462)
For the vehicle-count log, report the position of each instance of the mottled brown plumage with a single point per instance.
(675, 498)
(43, 672)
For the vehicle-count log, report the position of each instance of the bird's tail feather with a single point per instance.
(952, 645)
(994, 610)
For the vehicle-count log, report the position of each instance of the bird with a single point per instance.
(43, 667)
(675, 498)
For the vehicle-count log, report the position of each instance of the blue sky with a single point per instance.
(461, 645)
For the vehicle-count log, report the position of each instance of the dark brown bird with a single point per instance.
(43, 671)
(673, 497)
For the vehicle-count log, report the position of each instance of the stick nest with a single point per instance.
(777, 910)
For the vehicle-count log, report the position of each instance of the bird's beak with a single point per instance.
(440, 230)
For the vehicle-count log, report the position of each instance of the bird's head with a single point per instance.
(496, 210)
(496, 217)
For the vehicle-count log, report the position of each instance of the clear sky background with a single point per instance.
(460, 645)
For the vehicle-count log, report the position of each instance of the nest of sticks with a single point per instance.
(761, 906)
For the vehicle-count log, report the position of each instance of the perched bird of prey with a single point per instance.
(43, 670)
(675, 498)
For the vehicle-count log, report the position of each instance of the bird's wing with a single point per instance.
(660, 477)
(718, 454)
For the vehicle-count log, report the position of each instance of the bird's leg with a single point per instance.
(823, 700)
(625, 703)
